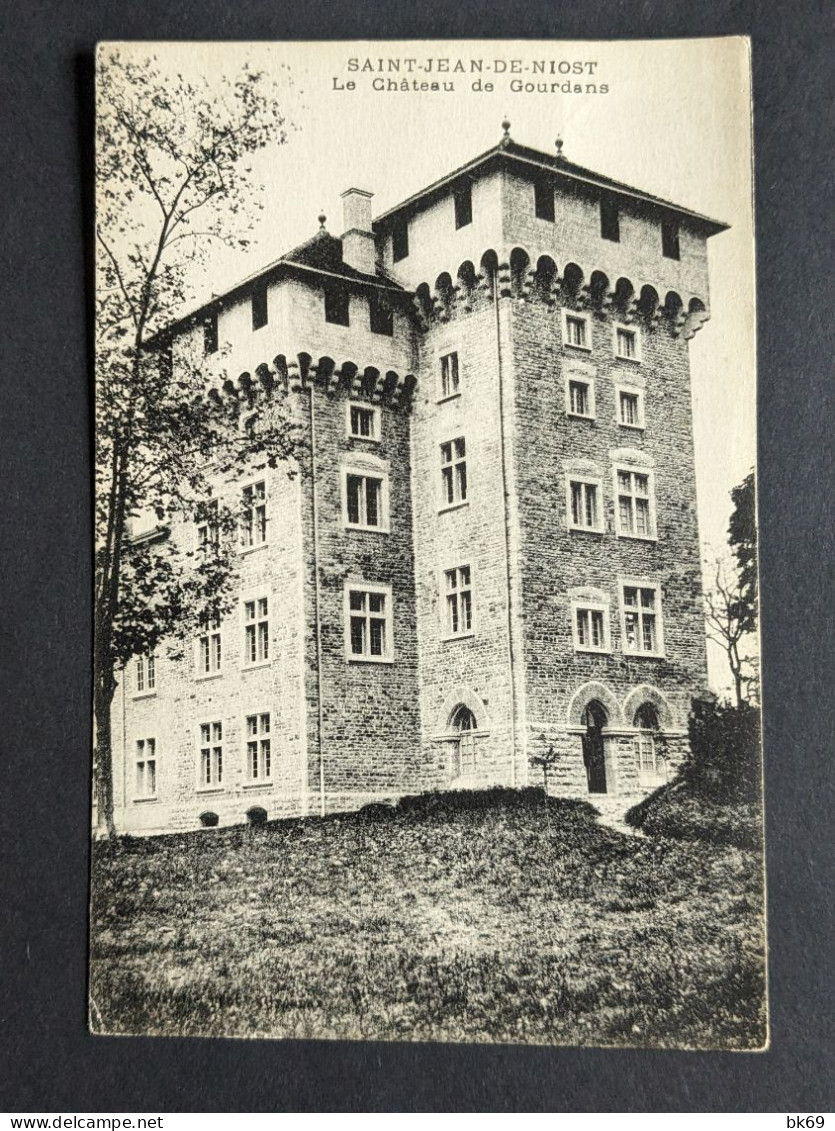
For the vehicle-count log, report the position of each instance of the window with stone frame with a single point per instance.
(458, 619)
(591, 629)
(257, 730)
(211, 754)
(648, 745)
(627, 343)
(450, 375)
(363, 422)
(145, 674)
(585, 510)
(453, 472)
(635, 503)
(369, 622)
(576, 330)
(630, 406)
(209, 650)
(641, 619)
(366, 500)
(145, 767)
(254, 515)
(579, 397)
(256, 631)
(207, 526)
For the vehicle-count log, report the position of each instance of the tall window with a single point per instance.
(590, 629)
(609, 219)
(580, 398)
(336, 305)
(258, 748)
(670, 247)
(209, 647)
(464, 759)
(146, 767)
(627, 344)
(453, 472)
(585, 504)
(365, 501)
(647, 744)
(260, 308)
(459, 601)
(363, 422)
(146, 674)
(543, 199)
(208, 526)
(576, 331)
(634, 504)
(254, 514)
(211, 754)
(256, 631)
(400, 239)
(369, 624)
(210, 333)
(630, 408)
(641, 620)
(381, 318)
(463, 198)
(450, 380)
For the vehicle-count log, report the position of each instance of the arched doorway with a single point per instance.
(594, 719)
(463, 753)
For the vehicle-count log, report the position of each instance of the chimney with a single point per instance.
(358, 249)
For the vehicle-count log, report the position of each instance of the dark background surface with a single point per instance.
(48, 1061)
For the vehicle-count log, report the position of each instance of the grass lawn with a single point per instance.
(469, 917)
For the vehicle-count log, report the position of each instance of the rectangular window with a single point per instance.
(627, 344)
(260, 309)
(365, 501)
(670, 248)
(450, 379)
(363, 422)
(576, 331)
(453, 472)
(209, 647)
(590, 629)
(634, 499)
(641, 630)
(369, 624)
(210, 333)
(381, 316)
(256, 631)
(630, 408)
(146, 767)
(259, 766)
(211, 754)
(580, 399)
(254, 515)
(459, 601)
(146, 674)
(208, 526)
(400, 239)
(463, 198)
(543, 200)
(609, 219)
(336, 305)
(585, 506)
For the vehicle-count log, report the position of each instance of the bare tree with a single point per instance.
(173, 181)
(729, 624)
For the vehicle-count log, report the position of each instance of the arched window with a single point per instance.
(464, 751)
(647, 745)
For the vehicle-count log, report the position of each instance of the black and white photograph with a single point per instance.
(426, 665)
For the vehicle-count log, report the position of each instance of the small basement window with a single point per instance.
(463, 199)
(336, 305)
(669, 239)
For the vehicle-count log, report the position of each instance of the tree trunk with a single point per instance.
(104, 689)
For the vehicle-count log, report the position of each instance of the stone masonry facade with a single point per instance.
(493, 554)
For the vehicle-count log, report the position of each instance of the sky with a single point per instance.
(675, 122)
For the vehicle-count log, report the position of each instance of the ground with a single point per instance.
(471, 917)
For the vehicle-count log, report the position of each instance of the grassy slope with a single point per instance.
(490, 918)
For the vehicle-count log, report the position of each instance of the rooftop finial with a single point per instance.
(558, 144)
(322, 218)
(506, 128)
